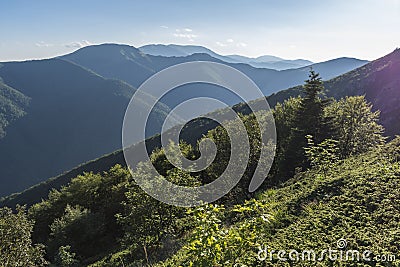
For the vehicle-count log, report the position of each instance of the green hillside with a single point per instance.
(333, 190)
(357, 200)
(341, 186)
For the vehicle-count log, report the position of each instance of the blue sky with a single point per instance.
(315, 30)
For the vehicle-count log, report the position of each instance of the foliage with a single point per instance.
(82, 214)
(190, 134)
(66, 258)
(207, 243)
(323, 155)
(16, 247)
(356, 125)
(214, 241)
(78, 228)
(255, 129)
(147, 223)
(358, 200)
(284, 114)
(308, 120)
(350, 121)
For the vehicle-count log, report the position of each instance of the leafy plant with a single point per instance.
(66, 258)
(323, 155)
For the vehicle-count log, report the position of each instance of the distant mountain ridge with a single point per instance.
(266, 61)
(129, 64)
(265, 58)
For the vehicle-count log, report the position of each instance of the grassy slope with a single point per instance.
(358, 200)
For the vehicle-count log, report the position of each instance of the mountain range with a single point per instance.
(378, 81)
(266, 61)
(129, 64)
(57, 113)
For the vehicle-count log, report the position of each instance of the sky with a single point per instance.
(308, 29)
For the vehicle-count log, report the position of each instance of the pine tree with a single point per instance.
(309, 120)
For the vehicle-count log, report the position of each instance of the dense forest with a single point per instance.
(12, 106)
(335, 177)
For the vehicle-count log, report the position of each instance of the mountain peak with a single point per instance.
(107, 47)
(390, 61)
(173, 50)
(396, 52)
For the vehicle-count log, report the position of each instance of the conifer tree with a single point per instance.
(309, 120)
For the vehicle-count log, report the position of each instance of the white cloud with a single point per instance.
(164, 27)
(78, 44)
(43, 44)
(185, 33)
(220, 44)
(230, 42)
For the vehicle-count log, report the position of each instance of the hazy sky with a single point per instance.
(314, 30)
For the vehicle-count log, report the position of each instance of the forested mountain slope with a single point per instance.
(73, 115)
(12, 106)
